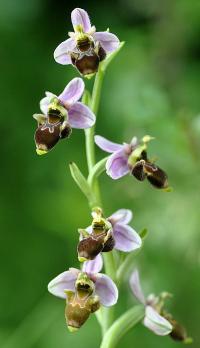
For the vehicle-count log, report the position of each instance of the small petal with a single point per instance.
(124, 216)
(40, 118)
(117, 165)
(136, 286)
(62, 52)
(108, 41)
(80, 17)
(106, 289)
(72, 92)
(93, 266)
(64, 281)
(156, 323)
(80, 116)
(134, 142)
(89, 229)
(107, 145)
(44, 102)
(126, 238)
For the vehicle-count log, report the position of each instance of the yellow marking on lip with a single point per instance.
(72, 329)
(82, 259)
(41, 152)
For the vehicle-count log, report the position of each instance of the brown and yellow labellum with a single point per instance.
(178, 332)
(99, 240)
(86, 57)
(89, 247)
(155, 175)
(81, 303)
(50, 132)
(138, 171)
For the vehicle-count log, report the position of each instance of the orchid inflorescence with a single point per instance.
(108, 242)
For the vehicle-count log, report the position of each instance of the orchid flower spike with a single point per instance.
(156, 318)
(60, 115)
(105, 234)
(132, 158)
(85, 291)
(85, 48)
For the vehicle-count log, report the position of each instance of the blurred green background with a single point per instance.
(152, 87)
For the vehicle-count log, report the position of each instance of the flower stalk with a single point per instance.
(86, 290)
(121, 326)
(94, 171)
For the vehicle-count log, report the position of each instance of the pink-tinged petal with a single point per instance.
(126, 238)
(124, 216)
(44, 102)
(72, 92)
(117, 165)
(107, 145)
(156, 323)
(106, 289)
(136, 287)
(62, 52)
(93, 266)
(108, 41)
(64, 281)
(80, 17)
(80, 116)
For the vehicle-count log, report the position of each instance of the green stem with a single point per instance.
(127, 264)
(109, 263)
(121, 326)
(96, 93)
(97, 170)
(89, 133)
(94, 171)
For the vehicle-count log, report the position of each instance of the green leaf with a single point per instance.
(143, 233)
(97, 170)
(127, 265)
(122, 325)
(82, 183)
